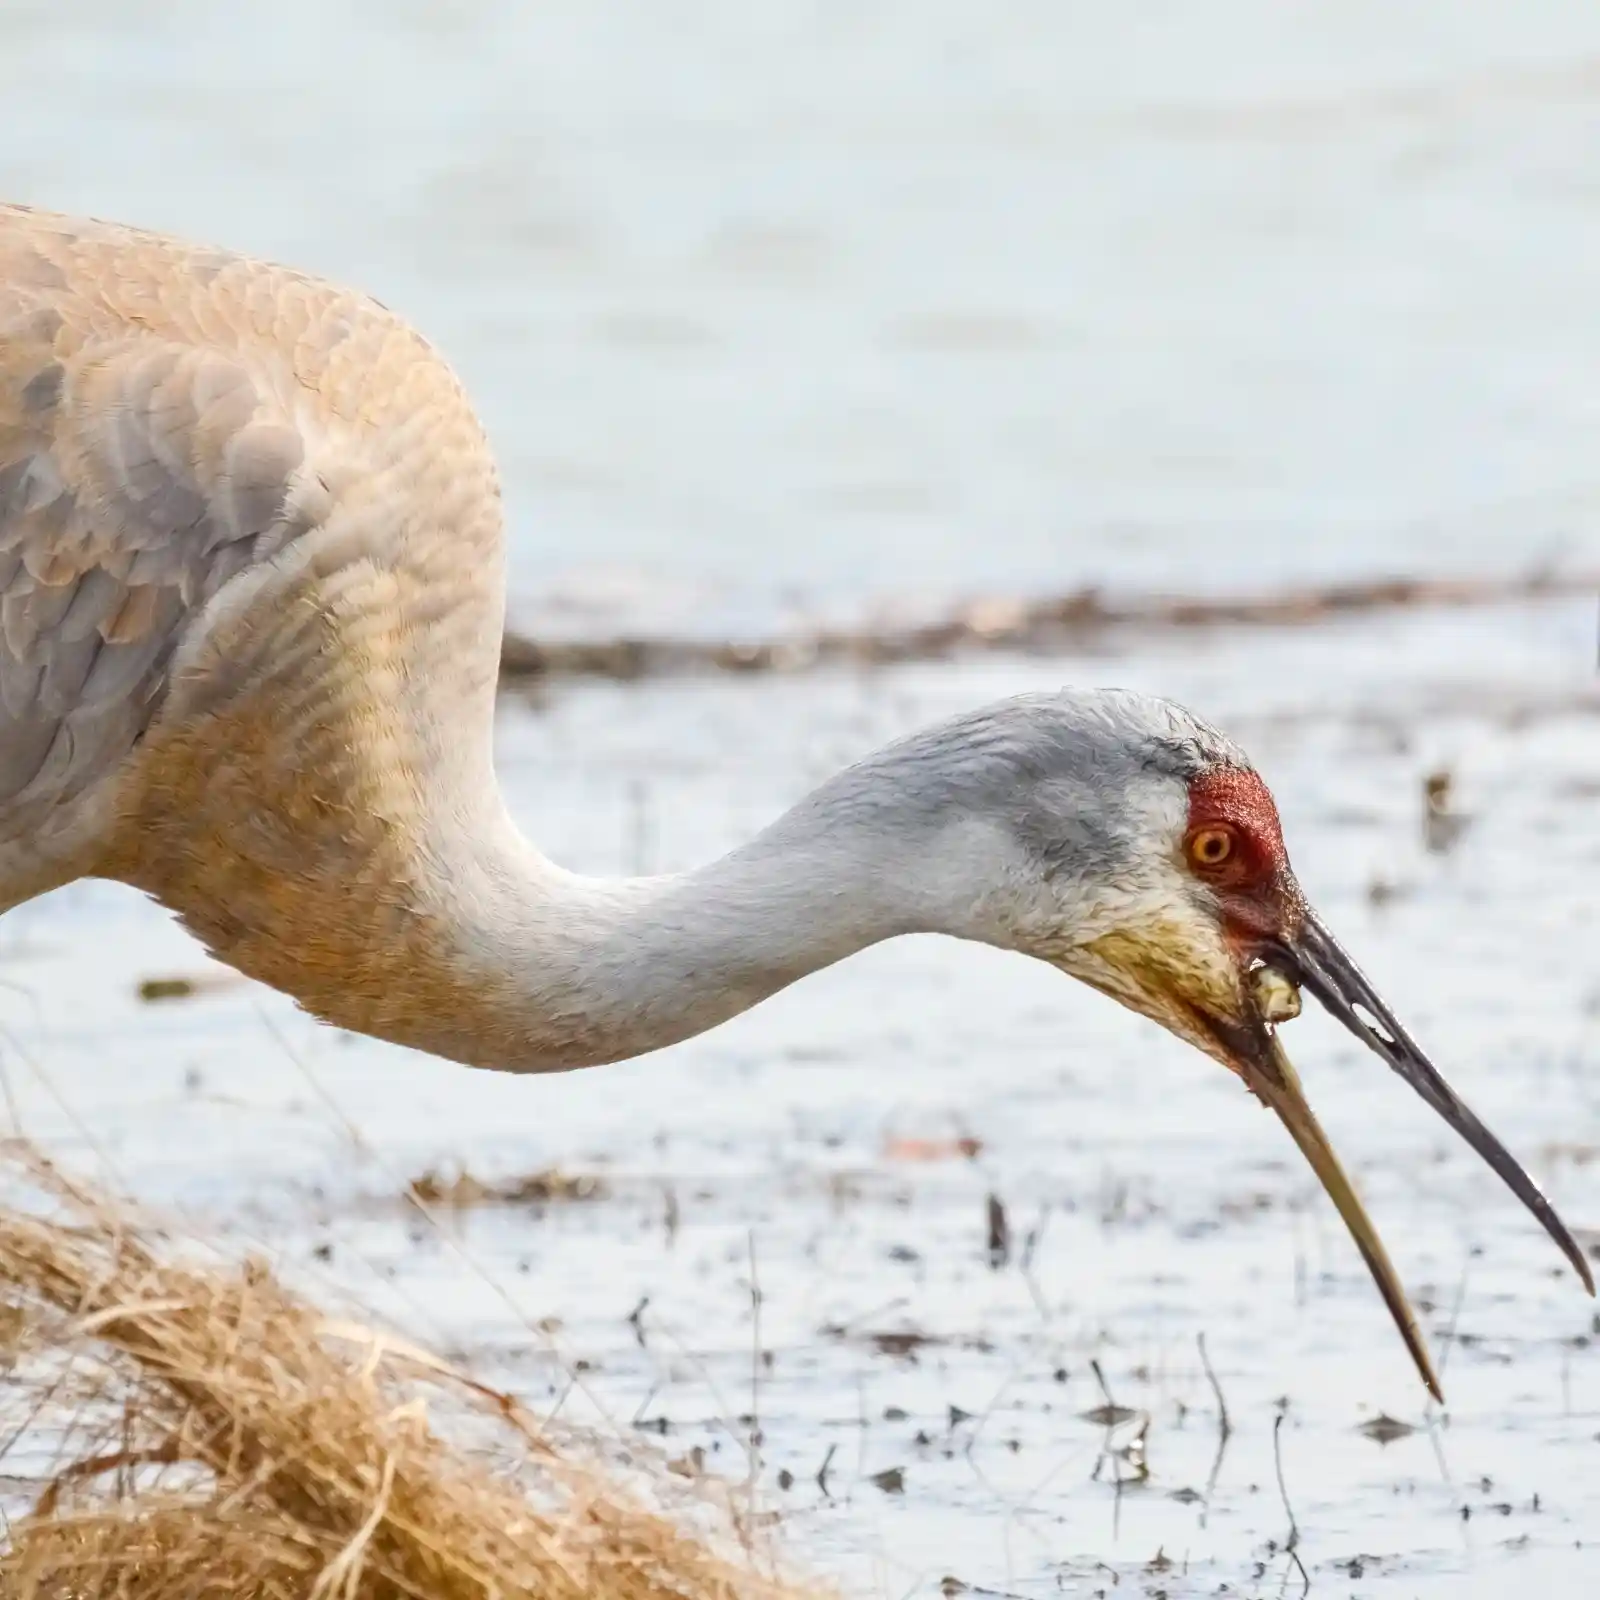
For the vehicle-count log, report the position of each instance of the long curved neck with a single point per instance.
(563, 971)
(368, 867)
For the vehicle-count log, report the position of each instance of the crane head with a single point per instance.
(1126, 842)
(1191, 914)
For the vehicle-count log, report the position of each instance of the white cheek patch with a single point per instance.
(1150, 884)
(1144, 932)
(1161, 816)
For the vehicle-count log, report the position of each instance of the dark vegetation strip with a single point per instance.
(1026, 627)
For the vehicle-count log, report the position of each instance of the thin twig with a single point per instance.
(1432, 1413)
(1100, 1378)
(822, 1471)
(1029, 1248)
(1291, 1546)
(755, 1375)
(981, 1421)
(1223, 1423)
(1447, 1344)
(1224, 1431)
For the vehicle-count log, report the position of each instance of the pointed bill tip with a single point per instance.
(1316, 959)
(1272, 1076)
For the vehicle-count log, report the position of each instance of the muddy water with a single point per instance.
(1148, 1201)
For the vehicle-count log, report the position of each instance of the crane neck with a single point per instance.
(564, 971)
(381, 882)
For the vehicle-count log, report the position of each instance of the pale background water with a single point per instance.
(781, 309)
(785, 305)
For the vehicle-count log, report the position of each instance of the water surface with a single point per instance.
(793, 310)
(802, 308)
(1164, 1203)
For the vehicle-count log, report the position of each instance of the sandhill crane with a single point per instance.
(251, 602)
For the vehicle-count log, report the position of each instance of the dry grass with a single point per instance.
(195, 1431)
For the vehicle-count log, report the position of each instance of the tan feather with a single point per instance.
(173, 420)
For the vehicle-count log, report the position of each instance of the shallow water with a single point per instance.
(789, 311)
(1165, 1204)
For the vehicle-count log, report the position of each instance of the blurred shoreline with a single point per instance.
(1041, 626)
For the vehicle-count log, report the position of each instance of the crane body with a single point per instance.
(251, 601)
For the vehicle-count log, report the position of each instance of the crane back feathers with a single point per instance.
(251, 599)
(170, 417)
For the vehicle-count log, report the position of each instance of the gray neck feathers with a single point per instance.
(607, 969)
(951, 831)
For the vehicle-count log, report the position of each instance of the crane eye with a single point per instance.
(1210, 847)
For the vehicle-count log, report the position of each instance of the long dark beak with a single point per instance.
(1316, 961)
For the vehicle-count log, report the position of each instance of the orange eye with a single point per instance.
(1210, 847)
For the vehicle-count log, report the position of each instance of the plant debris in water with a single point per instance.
(551, 1186)
(179, 987)
(1033, 627)
(1386, 1429)
(195, 1432)
(910, 1149)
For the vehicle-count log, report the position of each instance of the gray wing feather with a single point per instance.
(137, 474)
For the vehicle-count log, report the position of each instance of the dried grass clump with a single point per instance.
(195, 1432)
